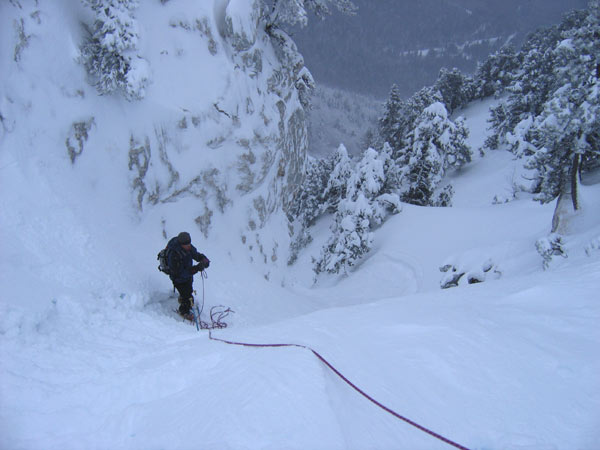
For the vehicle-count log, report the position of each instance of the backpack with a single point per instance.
(163, 261)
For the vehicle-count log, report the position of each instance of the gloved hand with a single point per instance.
(204, 262)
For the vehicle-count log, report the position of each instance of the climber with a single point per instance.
(180, 254)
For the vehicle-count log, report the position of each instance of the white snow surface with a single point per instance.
(93, 357)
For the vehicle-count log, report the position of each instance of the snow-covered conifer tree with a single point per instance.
(550, 118)
(455, 88)
(367, 181)
(336, 186)
(295, 12)
(400, 117)
(567, 132)
(414, 107)
(364, 206)
(535, 76)
(368, 176)
(457, 151)
(532, 84)
(351, 237)
(389, 123)
(312, 201)
(496, 72)
(109, 53)
(425, 165)
(392, 172)
(309, 203)
(436, 144)
(444, 198)
(373, 177)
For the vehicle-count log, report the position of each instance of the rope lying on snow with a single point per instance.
(348, 382)
(218, 313)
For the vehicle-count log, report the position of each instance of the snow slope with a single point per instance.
(98, 361)
(93, 358)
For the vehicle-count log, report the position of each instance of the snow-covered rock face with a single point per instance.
(241, 23)
(219, 130)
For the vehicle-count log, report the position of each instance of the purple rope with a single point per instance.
(348, 382)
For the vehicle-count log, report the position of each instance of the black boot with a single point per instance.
(185, 306)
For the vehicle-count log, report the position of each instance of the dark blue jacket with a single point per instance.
(181, 262)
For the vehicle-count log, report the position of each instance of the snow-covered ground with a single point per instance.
(93, 358)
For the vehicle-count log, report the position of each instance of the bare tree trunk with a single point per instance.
(575, 179)
(568, 199)
(562, 209)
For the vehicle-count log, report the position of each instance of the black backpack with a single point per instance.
(163, 261)
(176, 258)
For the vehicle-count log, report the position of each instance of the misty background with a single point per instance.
(406, 42)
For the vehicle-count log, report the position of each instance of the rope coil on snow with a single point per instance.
(217, 313)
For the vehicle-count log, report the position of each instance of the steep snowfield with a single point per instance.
(93, 358)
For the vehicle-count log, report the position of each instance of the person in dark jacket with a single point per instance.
(181, 257)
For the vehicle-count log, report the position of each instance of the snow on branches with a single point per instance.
(362, 194)
(550, 117)
(295, 12)
(109, 54)
(362, 202)
(435, 145)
